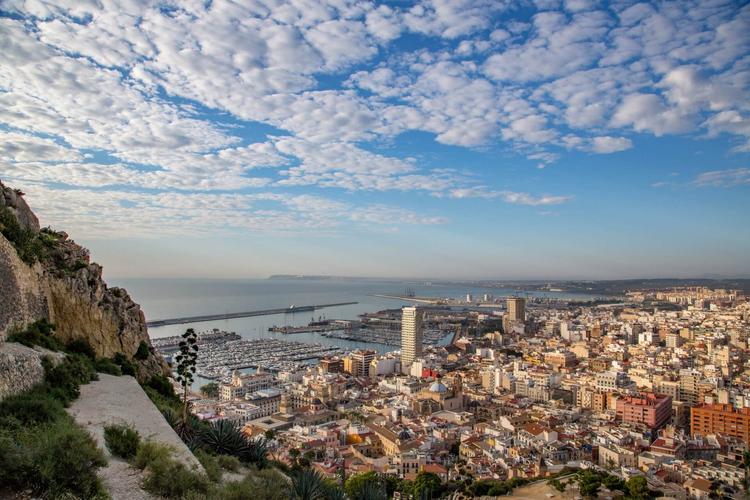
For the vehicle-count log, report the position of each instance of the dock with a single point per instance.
(246, 314)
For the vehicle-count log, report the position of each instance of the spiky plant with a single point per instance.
(257, 452)
(308, 484)
(224, 437)
(372, 490)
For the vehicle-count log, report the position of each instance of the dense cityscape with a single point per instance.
(653, 386)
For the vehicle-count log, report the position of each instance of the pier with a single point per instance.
(246, 314)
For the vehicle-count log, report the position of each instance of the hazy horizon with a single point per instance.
(441, 139)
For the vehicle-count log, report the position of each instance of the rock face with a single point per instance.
(20, 367)
(68, 290)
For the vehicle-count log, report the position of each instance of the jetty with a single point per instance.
(263, 312)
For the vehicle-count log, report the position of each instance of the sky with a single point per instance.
(474, 139)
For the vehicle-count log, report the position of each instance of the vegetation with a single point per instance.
(186, 360)
(42, 449)
(143, 351)
(122, 440)
(210, 390)
(30, 246)
(39, 334)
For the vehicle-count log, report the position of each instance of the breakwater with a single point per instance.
(263, 312)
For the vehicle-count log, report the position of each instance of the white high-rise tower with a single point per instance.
(411, 336)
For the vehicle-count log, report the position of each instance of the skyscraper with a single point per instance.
(411, 336)
(516, 309)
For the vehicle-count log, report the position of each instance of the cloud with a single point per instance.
(723, 178)
(511, 197)
(607, 144)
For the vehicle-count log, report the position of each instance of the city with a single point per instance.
(655, 387)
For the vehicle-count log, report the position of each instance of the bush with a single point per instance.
(210, 465)
(81, 346)
(229, 463)
(126, 366)
(31, 408)
(63, 380)
(39, 334)
(107, 366)
(143, 351)
(122, 440)
(52, 460)
(163, 386)
(168, 478)
(151, 451)
(29, 246)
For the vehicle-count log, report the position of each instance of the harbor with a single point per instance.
(226, 351)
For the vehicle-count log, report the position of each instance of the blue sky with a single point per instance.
(435, 138)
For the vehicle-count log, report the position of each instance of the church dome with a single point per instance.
(438, 386)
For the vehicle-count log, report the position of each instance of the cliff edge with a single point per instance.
(46, 275)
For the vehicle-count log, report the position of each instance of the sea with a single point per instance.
(172, 298)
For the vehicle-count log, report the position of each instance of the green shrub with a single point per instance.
(266, 484)
(163, 386)
(63, 380)
(126, 366)
(229, 463)
(169, 478)
(122, 440)
(151, 451)
(31, 408)
(107, 366)
(38, 333)
(81, 346)
(143, 351)
(210, 465)
(28, 244)
(52, 460)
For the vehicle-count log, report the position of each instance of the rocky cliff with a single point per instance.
(45, 275)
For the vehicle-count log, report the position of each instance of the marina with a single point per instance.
(218, 358)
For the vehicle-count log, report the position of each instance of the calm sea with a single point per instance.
(170, 298)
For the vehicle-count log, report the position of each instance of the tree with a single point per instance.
(186, 360)
(210, 390)
(588, 483)
(365, 486)
(308, 484)
(637, 488)
(612, 482)
(426, 485)
(556, 484)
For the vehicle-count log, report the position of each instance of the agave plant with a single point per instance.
(372, 490)
(224, 437)
(257, 452)
(308, 484)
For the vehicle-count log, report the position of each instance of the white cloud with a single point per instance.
(607, 144)
(724, 178)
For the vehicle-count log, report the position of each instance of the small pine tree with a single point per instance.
(186, 361)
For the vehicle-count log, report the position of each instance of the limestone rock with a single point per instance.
(21, 367)
(67, 289)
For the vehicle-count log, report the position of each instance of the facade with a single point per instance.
(361, 359)
(653, 410)
(720, 419)
(516, 309)
(411, 336)
(243, 384)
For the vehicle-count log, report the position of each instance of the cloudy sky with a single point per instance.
(435, 138)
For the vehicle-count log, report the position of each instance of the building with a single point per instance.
(360, 362)
(560, 359)
(653, 410)
(516, 309)
(243, 384)
(332, 364)
(411, 336)
(720, 419)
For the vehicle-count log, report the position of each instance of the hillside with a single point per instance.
(45, 275)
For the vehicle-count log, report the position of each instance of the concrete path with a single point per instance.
(120, 400)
